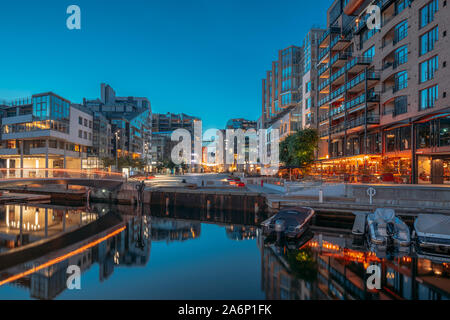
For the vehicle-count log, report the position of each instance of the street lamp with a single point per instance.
(116, 134)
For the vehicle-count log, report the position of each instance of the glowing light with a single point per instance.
(61, 258)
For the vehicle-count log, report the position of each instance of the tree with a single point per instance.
(297, 150)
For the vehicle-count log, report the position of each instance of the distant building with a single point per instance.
(241, 124)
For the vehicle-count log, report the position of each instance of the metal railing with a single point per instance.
(14, 173)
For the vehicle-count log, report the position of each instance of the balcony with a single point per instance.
(324, 86)
(324, 41)
(372, 119)
(9, 151)
(339, 59)
(358, 82)
(338, 77)
(322, 71)
(357, 64)
(18, 119)
(323, 55)
(340, 42)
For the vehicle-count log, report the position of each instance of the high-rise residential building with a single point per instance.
(309, 79)
(383, 96)
(282, 91)
(44, 131)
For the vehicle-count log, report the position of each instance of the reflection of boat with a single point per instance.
(386, 230)
(433, 232)
(291, 223)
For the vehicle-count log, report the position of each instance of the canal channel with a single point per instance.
(127, 252)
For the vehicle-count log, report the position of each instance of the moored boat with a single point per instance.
(291, 223)
(386, 230)
(433, 232)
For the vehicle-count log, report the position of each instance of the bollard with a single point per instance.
(320, 196)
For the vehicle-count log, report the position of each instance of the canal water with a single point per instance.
(154, 254)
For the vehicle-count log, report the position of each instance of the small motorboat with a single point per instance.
(433, 232)
(290, 223)
(386, 230)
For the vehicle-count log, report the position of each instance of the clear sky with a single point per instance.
(200, 57)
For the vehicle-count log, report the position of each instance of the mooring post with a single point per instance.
(320, 195)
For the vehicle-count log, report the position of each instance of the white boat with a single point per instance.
(433, 231)
(385, 230)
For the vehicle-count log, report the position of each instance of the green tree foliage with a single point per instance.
(297, 150)
(125, 162)
(302, 264)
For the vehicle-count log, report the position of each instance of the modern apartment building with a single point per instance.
(130, 120)
(163, 125)
(164, 122)
(282, 91)
(44, 131)
(383, 105)
(309, 79)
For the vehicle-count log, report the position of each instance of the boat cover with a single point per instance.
(433, 225)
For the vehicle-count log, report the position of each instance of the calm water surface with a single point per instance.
(197, 255)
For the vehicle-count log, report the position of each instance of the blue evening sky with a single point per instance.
(200, 57)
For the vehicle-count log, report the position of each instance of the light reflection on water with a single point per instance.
(196, 255)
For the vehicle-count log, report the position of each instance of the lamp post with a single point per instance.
(117, 149)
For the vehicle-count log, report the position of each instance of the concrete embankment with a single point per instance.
(213, 199)
(405, 199)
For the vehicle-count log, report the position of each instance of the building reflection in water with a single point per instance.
(130, 247)
(24, 224)
(164, 229)
(327, 267)
(238, 232)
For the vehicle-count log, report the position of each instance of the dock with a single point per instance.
(10, 197)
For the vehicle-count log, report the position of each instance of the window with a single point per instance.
(428, 97)
(80, 120)
(401, 31)
(80, 134)
(85, 123)
(401, 5)
(427, 13)
(90, 124)
(369, 53)
(401, 56)
(428, 40)
(428, 68)
(85, 134)
(308, 87)
(308, 103)
(400, 105)
(444, 132)
(401, 80)
(423, 135)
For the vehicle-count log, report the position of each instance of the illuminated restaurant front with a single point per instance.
(417, 152)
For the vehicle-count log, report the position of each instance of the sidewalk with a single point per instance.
(259, 189)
